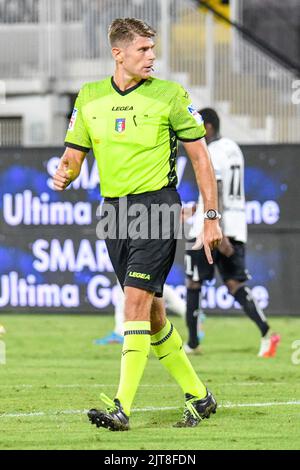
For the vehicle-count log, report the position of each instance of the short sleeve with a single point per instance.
(218, 158)
(77, 135)
(184, 119)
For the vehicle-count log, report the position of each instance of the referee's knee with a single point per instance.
(137, 304)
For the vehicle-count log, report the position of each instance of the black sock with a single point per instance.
(192, 311)
(245, 298)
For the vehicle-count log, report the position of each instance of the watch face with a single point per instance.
(211, 214)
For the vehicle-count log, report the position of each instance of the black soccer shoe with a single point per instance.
(113, 418)
(195, 410)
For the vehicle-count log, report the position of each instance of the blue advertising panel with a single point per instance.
(52, 260)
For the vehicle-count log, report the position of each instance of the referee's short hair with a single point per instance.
(210, 116)
(125, 29)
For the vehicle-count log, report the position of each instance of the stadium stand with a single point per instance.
(50, 48)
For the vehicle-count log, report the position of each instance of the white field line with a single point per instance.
(46, 386)
(150, 408)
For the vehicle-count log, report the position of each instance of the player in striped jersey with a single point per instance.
(229, 257)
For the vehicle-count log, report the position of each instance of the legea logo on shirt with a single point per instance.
(120, 125)
(193, 111)
(73, 119)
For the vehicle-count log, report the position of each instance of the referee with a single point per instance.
(132, 122)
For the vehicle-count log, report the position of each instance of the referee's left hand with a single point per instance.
(210, 238)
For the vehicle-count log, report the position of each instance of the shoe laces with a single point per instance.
(111, 405)
(189, 408)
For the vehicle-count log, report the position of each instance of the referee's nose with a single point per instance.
(151, 55)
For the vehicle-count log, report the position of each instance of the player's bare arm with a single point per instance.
(68, 169)
(225, 247)
(205, 177)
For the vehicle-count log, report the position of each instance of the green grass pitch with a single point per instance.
(53, 372)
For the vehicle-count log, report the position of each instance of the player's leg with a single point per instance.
(139, 264)
(146, 266)
(135, 354)
(116, 336)
(115, 417)
(165, 340)
(136, 343)
(234, 273)
(173, 301)
(167, 345)
(148, 263)
(196, 270)
(193, 293)
(244, 296)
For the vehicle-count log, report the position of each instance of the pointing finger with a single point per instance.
(208, 253)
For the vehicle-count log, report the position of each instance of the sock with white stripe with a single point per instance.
(245, 298)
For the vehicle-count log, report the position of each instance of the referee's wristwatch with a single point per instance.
(212, 214)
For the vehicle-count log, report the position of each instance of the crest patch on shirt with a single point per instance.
(73, 119)
(120, 125)
(193, 111)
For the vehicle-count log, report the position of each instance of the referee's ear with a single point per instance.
(117, 54)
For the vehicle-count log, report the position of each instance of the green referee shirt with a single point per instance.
(133, 133)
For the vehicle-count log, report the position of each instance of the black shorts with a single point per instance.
(142, 239)
(197, 267)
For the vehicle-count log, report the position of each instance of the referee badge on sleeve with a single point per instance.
(73, 119)
(193, 111)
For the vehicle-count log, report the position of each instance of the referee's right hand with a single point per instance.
(62, 177)
(68, 169)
